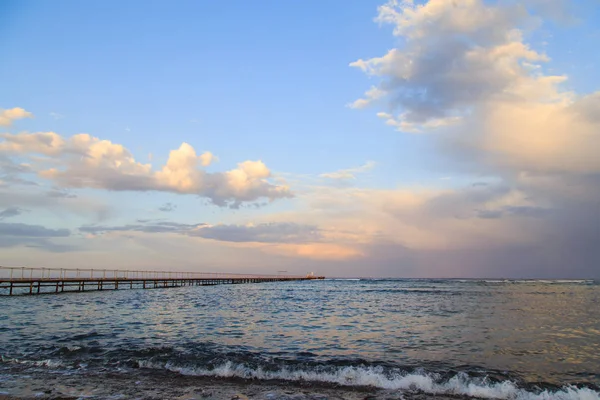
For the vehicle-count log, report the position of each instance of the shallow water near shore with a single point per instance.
(379, 338)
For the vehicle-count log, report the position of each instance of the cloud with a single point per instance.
(411, 231)
(207, 158)
(143, 226)
(13, 180)
(275, 232)
(10, 171)
(479, 184)
(8, 116)
(9, 167)
(167, 207)
(11, 212)
(83, 161)
(65, 206)
(464, 73)
(350, 173)
(287, 239)
(33, 236)
(46, 143)
(420, 220)
(456, 55)
(25, 230)
(56, 115)
(401, 124)
(36, 243)
(523, 146)
(280, 232)
(465, 69)
(525, 136)
(60, 193)
(370, 95)
(316, 251)
(521, 211)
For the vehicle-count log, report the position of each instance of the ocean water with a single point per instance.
(479, 338)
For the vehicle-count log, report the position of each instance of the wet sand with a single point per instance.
(163, 385)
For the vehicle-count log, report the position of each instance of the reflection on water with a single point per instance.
(541, 331)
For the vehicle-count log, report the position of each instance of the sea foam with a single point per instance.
(460, 384)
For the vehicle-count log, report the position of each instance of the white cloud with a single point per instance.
(85, 161)
(465, 69)
(8, 116)
(457, 55)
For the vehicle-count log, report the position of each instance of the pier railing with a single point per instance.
(29, 273)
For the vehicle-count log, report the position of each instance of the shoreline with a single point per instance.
(154, 385)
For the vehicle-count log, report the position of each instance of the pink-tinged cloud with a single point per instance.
(8, 116)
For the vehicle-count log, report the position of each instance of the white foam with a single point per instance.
(460, 384)
(37, 363)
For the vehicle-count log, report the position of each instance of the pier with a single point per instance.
(30, 281)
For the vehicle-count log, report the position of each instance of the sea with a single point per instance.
(318, 339)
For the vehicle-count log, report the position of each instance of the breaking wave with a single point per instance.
(461, 384)
(207, 361)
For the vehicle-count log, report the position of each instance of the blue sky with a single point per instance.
(271, 81)
(266, 81)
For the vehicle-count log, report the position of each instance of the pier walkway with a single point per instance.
(27, 280)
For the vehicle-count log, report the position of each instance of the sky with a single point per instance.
(440, 138)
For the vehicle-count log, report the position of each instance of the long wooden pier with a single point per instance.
(29, 281)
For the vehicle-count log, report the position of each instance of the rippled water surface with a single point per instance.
(519, 331)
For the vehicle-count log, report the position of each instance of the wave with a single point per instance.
(342, 279)
(415, 291)
(534, 281)
(563, 281)
(213, 360)
(473, 280)
(49, 363)
(376, 376)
